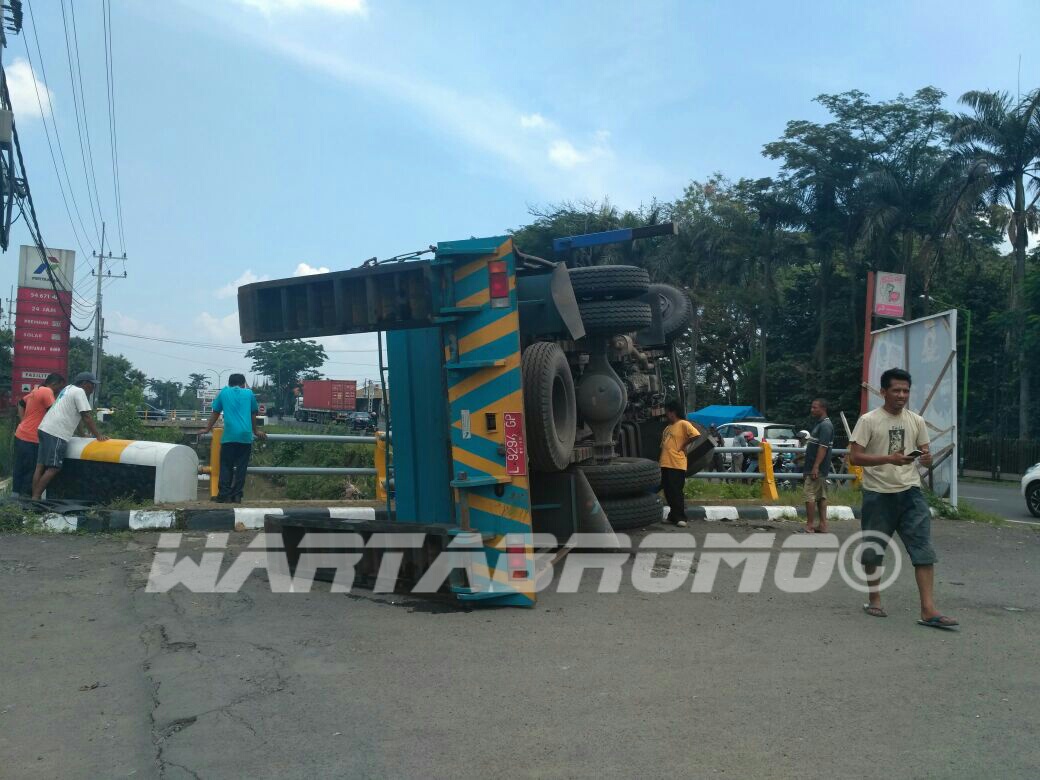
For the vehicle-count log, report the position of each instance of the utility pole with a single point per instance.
(10, 310)
(99, 323)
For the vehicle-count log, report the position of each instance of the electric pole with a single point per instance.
(99, 322)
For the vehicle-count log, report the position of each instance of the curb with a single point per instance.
(252, 518)
(730, 513)
(234, 519)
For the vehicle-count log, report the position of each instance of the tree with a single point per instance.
(283, 362)
(166, 393)
(117, 373)
(1004, 135)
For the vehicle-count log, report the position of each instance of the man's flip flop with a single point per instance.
(874, 611)
(939, 621)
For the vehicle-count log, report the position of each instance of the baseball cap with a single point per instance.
(85, 376)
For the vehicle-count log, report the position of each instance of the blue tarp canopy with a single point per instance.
(720, 415)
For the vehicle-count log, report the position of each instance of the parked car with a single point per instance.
(1031, 489)
(358, 421)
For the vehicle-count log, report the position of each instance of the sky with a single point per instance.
(260, 139)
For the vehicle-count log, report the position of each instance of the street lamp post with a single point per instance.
(218, 374)
(964, 383)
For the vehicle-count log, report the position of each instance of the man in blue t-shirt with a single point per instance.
(239, 407)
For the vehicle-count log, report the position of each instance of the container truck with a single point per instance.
(326, 400)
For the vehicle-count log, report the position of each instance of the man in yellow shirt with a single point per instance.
(674, 440)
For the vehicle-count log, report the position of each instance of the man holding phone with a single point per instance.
(888, 443)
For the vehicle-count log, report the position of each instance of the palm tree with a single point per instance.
(1004, 135)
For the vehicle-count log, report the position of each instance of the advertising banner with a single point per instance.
(890, 295)
(927, 348)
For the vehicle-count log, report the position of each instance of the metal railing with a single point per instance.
(766, 474)
(321, 471)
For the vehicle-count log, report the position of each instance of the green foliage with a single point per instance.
(324, 454)
(7, 425)
(285, 363)
(117, 373)
(124, 422)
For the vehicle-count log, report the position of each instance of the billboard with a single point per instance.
(41, 335)
(32, 268)
(927, 348)
(890, 295)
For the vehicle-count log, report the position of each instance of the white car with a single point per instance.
(1031, 489)
(777, 434)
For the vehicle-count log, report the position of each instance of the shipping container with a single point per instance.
(333, 394)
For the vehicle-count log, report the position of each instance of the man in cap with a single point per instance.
(71, 408)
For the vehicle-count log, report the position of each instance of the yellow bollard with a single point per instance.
(214, 461)
(765, 468)
(381, 466)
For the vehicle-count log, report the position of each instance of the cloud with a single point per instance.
(563, 154)
(123, 323)
(230, 290)
(533, 121)
(220, 330)
(23, 84)
(304, 269)
(270, 7)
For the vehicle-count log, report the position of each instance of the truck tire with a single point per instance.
(598, 282)
(613, 318)
(622, 477)
(676, 309)
(633, 512)
(552, 417)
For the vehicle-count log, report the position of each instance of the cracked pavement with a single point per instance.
(101, 679)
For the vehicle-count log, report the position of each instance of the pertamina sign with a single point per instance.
(32, 268)
(41, 336)
(890, 295)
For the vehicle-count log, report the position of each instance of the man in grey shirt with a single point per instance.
(816, 467)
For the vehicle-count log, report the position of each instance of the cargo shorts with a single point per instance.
(814, 489)
(906, 513)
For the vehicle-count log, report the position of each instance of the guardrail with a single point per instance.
(323, 471)
(766, 474)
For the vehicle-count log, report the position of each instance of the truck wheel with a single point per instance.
(612, 318)
(633, 512)
(552, 417)
(622, 477)
(676, 309)
(597, 282)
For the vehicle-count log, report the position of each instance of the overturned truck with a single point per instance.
(525, 396)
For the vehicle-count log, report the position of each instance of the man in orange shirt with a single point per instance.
(674, 441)
(32, 408)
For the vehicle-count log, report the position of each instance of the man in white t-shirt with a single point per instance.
(71, 407)
(888, 442)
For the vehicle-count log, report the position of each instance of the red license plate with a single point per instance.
(516, 455)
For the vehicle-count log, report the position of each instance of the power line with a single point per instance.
(83, 104)
(106, 10)
(226, 347)
(95, 207)
(57, 137)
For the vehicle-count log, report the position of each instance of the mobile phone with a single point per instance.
(914, 454)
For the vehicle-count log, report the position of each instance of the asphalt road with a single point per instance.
(1000, 498)
(102, 679)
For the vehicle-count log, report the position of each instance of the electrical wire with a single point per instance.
(95, 207)
(227, 347)
(106, 10)
(34, 226)
(57, 137)
(83, 105)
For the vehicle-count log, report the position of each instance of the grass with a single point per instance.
(965, 511)
(714, 491)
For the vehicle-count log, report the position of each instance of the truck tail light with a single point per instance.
(498, 283)
(517, 562)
